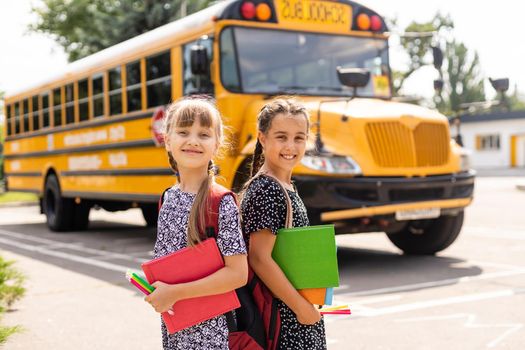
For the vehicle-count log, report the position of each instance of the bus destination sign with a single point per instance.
(328, 15)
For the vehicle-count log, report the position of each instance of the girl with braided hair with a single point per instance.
(283, 128)
(192, 135)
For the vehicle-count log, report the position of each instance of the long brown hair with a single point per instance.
(184, 113)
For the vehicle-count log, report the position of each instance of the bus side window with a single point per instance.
(36, 112)
(8, 109)
(83, 111)
(57, 107)
(26, 115)
(158, 79)
(229, 72)
(115, 91)
(98, 96)
(196, 83)
(45, 110)
(17, 118)
(70, 104)
(133, 87)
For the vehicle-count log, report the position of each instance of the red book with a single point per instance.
(187, 265)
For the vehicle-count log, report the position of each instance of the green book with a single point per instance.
(307, 255)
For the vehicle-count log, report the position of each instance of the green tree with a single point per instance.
(418, 43)
(463, 79)
(83, 27)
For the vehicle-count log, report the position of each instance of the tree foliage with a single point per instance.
(418, 48)
(83, 27)
(461, 73)
(463, 79)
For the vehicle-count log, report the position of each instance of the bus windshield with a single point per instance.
(277, 62)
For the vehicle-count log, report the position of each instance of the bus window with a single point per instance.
(57, 107)
(36, 112)
(17, 118)
(26, 115)
(98, 96)
(8, 118)
(229, 70)
(133, 88)
(158, 77)
(115, 91)
(70, 104)
(196, 83)
(83, 99)
(45, 110)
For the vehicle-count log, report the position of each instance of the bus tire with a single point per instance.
(150, 212)
(81, 216)
(59, 211)
(427, 237)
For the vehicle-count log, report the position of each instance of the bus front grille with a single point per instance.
(395, 145)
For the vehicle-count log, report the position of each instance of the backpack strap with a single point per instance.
(216, 194)
(161, 199)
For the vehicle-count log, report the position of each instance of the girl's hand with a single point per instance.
(163, 297)
(308, 314)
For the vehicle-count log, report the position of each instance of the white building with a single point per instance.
(496, 139)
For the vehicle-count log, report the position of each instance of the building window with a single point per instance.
(488, 142)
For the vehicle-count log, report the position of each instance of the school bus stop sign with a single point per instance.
(156, 126)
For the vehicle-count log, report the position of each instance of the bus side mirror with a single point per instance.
(353, 77)
(199, 60)
(438, 57)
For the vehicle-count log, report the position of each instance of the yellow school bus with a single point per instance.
(89, 135)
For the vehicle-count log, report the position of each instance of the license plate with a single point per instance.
(416, 214)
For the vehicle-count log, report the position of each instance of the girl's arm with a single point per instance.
(233, 275)
(260, 257)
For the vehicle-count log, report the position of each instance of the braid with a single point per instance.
(258, 159)
(173, 165)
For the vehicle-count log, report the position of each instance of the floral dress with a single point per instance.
(171, 236)
(264, 207)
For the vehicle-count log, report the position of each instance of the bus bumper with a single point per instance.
(349, 198)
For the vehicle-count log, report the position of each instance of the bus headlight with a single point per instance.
(332, 164)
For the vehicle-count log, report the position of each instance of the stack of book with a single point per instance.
(308, 257)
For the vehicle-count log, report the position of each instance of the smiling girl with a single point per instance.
(283, 128)
(192, 136)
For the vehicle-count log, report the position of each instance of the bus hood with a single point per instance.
(385, 138)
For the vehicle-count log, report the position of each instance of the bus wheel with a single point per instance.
(150, 213)
(59, 211)
(81, 216)
(427, 237)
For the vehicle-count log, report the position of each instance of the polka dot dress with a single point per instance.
(171, 236)
(264, 207)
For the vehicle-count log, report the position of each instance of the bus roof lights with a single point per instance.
(248, 10)
(363, 21)
(375, 23)
(263, 12)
